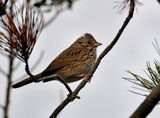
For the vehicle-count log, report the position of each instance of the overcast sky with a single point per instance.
(107, 95)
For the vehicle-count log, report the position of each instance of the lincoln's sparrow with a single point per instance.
(72, 64)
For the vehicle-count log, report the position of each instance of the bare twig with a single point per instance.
(108, 48)
(50, 78)
(148, 104)
(9, 77)
(9, 83)
(27, 70)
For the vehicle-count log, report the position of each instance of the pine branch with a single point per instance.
(9, 83)
(9, 77)
(152, 85)
(148, 104)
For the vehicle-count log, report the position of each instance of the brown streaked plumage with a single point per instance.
(72, 64)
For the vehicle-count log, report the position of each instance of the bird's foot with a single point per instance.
(71, 96)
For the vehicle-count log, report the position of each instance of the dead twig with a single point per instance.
(9, 83)
(50, 78)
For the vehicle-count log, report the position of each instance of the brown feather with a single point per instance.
(64, 59)
(26, 81)
(76, 60)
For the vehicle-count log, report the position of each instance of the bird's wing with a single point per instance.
(67, 57)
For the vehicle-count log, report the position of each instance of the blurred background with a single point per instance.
(107, 95)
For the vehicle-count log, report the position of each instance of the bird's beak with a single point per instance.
(97, 44)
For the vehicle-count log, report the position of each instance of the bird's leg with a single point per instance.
(84, 76)
(65, 84)
(52, 77)
(72, 97)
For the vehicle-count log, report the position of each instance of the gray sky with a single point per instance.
(107, 95)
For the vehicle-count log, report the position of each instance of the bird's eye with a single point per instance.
(89, 42)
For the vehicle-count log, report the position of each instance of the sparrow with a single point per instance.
(73, 64)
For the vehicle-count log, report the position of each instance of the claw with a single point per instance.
(85, 77)
(72, 97)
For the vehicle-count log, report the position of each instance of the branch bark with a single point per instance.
(148, 104)
(9, 83)
(106, 50)
(9, 77)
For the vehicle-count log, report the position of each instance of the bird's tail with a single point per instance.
(26, 81)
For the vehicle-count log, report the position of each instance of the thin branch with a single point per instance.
(108, 48)
(50, 78)
(148, 104)
(9, 77)
(9, 83)
(28, 71)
